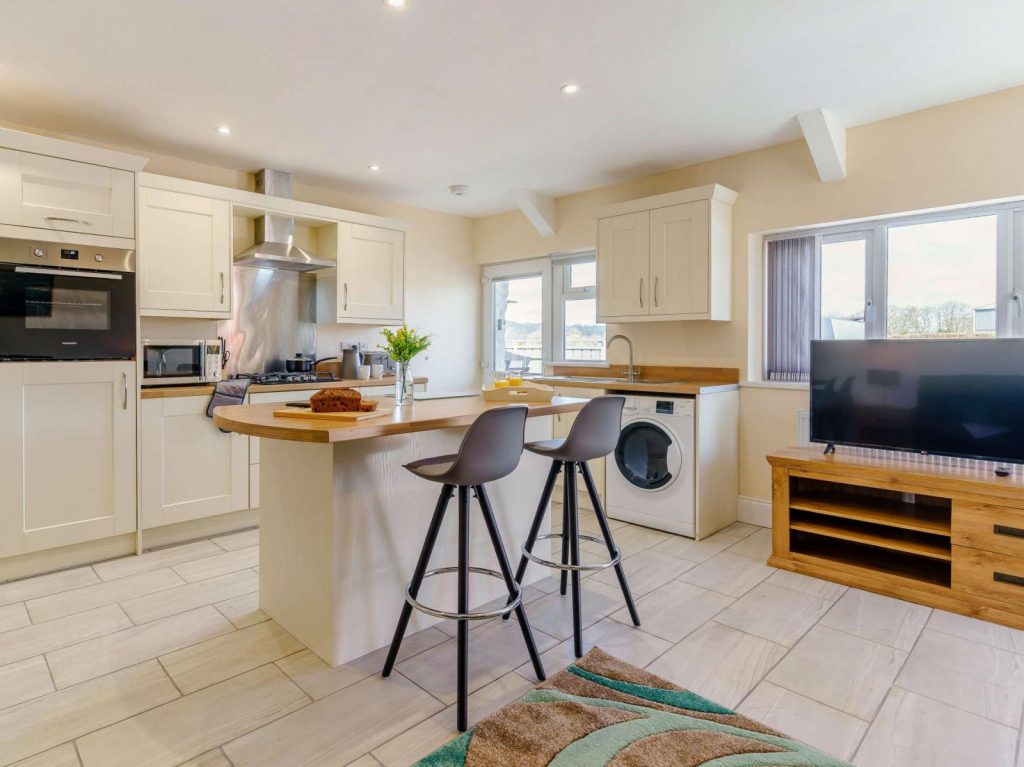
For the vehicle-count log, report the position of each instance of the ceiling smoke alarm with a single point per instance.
(459, 189)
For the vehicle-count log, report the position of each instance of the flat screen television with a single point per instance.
(962, 397)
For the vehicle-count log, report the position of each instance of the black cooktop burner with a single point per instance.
(286, 378)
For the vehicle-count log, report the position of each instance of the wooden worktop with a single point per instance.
(158, 392)
(674, 379)
(424, 415)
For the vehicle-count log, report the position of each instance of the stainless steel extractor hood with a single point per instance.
(275, 246)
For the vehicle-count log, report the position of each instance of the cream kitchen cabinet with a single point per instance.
(666, 257)
(67, 453)
(561, 425)
(184, 252)
(65, 195)
(189, 469)
(369, 284)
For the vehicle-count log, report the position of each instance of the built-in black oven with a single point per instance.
(61, 301)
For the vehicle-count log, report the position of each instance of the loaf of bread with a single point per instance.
(368, 405)
(336, 401)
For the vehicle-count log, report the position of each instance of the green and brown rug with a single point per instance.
(602, 712)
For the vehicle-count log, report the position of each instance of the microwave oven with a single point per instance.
(168, 362)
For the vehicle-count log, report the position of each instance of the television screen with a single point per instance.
(960, 397)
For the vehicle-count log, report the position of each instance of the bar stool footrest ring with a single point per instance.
(581, 567)
(515, 598)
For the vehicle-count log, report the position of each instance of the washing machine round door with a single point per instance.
(647, 455)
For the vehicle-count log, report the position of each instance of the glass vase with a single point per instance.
(403, 384)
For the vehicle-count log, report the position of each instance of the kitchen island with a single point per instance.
(341, 522)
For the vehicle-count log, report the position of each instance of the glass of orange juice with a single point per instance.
(500, 380)
(515, 379)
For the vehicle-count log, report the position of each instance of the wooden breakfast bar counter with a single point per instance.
(341, 522)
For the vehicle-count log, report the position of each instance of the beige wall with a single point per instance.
(442, 278)
(969, 151)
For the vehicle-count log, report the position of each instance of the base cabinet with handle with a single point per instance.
(67, 453)
(184, 253)
(189, 469)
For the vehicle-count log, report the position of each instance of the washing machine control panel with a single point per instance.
(665, 407)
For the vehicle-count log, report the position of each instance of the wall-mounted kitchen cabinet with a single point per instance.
(189, 469)
(666, 257)
(184, 252)
(368, 286)
(61, 195)
(67, 453)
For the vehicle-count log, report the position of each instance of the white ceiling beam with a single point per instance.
(539, 209)
(826, 138)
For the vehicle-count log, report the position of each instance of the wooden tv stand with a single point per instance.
(939, 535)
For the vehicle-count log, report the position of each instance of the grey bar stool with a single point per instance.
(490, 450)
(594, 434)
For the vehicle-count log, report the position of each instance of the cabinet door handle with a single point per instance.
(345, 307)
(124, 380)
(1013, 580)
(1013, 532)
(641, 292)
(655, 292)
(222, 287)
(68, 220)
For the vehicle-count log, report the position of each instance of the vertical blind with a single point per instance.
(790, 315)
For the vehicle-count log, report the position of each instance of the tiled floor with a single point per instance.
(166, 659)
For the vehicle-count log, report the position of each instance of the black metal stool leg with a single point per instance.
(574, 558)
(463, 625)
(606, 531)
(563, 578)
(510, 582)
(417, 577)
(538, 518)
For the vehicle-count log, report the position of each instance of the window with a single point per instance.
(578, 336)
(950, 275)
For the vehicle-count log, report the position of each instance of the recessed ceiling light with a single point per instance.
(223, 130)
(570, 89)
(395, 3)
(375, 168)
(459, 190)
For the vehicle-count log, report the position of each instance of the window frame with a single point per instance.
(1009, 300)
(516, 269)
(561, 293)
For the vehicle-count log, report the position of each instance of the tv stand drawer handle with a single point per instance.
(1013, 532)
(1013, 580)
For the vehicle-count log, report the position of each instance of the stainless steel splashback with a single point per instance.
(273, 319)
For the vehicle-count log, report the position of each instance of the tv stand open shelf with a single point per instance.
(939, 535)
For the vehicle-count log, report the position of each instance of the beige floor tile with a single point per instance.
(40, 638)
(700, 551)
(718, 662)
(190, 726)
(219, 564)
(840, 670)
(824, 728)
(102, 655)
(213, 758)
(320, 680)
(243, 611)
(494, 650)
(340, 727)
(242, 540)
(915, 731)
(816, 587)
(878, 618)
(154, 560)
(40, 724)
(552, 614)
(24, 680)
(62, 756)
(774, 613)
(675, 609)
(728, 573)
(450, 628)
(432, 733)
(627, 643)
(645, 571)
(964, 627)
(632, 539)
(190, 596)
(223, 657)
(13, 616)
(41, 585)
(100, 594)
(365, 761)
(757, 546)
(974, 677)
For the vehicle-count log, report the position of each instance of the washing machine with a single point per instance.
(650, 477)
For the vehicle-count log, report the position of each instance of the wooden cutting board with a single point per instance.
(305, 412)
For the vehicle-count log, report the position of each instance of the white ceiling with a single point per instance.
(467, 91)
